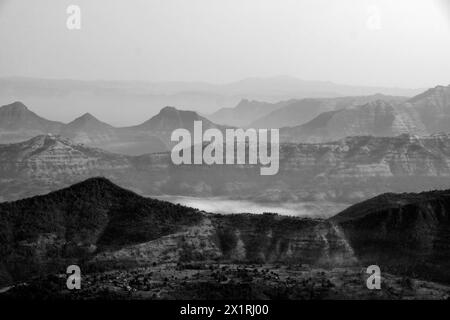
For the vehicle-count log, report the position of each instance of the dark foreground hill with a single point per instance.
(98, 224)
(39, 234)
(152, 245)
(409, 232)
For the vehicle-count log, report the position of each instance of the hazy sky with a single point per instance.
(402, 43)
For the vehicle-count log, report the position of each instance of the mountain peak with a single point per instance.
(97, 183)
(170, 118)
(172, 112)
(86, 122)
(16, 106)
(18, 119)
(86, 117)
(168, 109)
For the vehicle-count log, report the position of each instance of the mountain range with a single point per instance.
(376, 118)
(421, 115)
(331, 119)
(346, 171)
(63, 201)
(18, 123)
(351, 154)
(122, 103)
(298, 112)
(327, 119)
(101, 226)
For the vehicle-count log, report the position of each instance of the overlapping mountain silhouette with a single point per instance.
(18, 123)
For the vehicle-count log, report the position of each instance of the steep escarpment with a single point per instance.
(49, 162)
(243, 238)
(408, 233)
(271, 238)
(348, 170)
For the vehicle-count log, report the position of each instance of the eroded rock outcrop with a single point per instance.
(246, 239)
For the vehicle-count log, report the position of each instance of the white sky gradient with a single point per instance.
(219, 41)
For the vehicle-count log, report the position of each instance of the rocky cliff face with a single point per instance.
(349, 170)
(244, 239)
(49, 162)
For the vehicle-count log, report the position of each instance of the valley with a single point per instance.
(222, 205)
